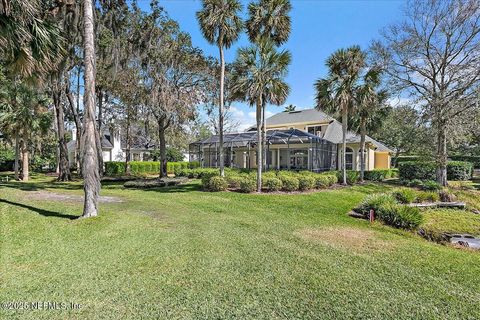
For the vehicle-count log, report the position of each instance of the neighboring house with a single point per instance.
(114, 148)
(300, 140)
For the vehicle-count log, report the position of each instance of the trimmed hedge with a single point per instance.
(420, 170)
(474, 160)
(459, 170)
(114, 168)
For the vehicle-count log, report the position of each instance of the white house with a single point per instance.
(114, 147)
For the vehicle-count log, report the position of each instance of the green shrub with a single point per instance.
(234, 180)
(431, 185)
(306, 182)
(427, 196)
(290, 183)
(217, 183)
(405, 195)
(375, 202)
(248, 185)
(207, 176)
(400, 216)
(380, 174)
(332, 179)
(353, 176)
(459, 170)
(322, 181)
(273, 184)
(114, 168)
(475, 160)
(422, 170)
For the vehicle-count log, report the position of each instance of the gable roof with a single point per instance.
(298, 116)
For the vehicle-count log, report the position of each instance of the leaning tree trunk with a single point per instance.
(17, 155)
(63, 165)
(90, 168)
(24, 150)
(441, 154)
(162, 126)
(344, 145)
(220, 109)
(259, 146)
(362, 149)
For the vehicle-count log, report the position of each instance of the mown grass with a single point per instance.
(182, 253)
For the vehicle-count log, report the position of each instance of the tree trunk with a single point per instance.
(24, 150)
(162, 146)
(63, 165)
(90, 168)
(220, 119)
(259, 145)
(127, 147)
(78, 126)
(362, 149)
(344, 145)
(441, 154)
(17, 155)
(264, 138)
(99, 134)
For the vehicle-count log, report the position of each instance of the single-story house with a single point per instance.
(300, 140)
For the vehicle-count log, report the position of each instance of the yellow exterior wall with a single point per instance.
(382, 160)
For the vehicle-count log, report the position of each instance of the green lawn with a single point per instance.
(183, 253)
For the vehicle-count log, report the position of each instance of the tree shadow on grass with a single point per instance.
(43, 212)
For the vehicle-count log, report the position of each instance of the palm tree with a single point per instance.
(258, 79)
(290, 108)
(23, 113)
(90, 170)
(336, 92)
(371, 110)
(28, 43)
(221, 24)
(269, 19)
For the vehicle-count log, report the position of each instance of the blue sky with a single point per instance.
(318, 29)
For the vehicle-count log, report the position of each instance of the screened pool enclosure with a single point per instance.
(285, 149)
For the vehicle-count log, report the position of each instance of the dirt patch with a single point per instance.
(52, 196)
(347, 238)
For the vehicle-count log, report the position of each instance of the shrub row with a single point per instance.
(113, 168)
(475, 160)
(271, 181)
(353, 176)
(426, 170)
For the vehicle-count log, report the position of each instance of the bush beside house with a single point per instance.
(426, 170)
(115, 168)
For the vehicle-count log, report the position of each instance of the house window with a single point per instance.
(349, 158)
(299, 159)
(315, 130)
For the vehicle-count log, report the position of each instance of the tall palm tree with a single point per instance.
(269, 19)
(258, 79)
(371, 109)
(336, 92)
(221, 24)
(91, 185)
